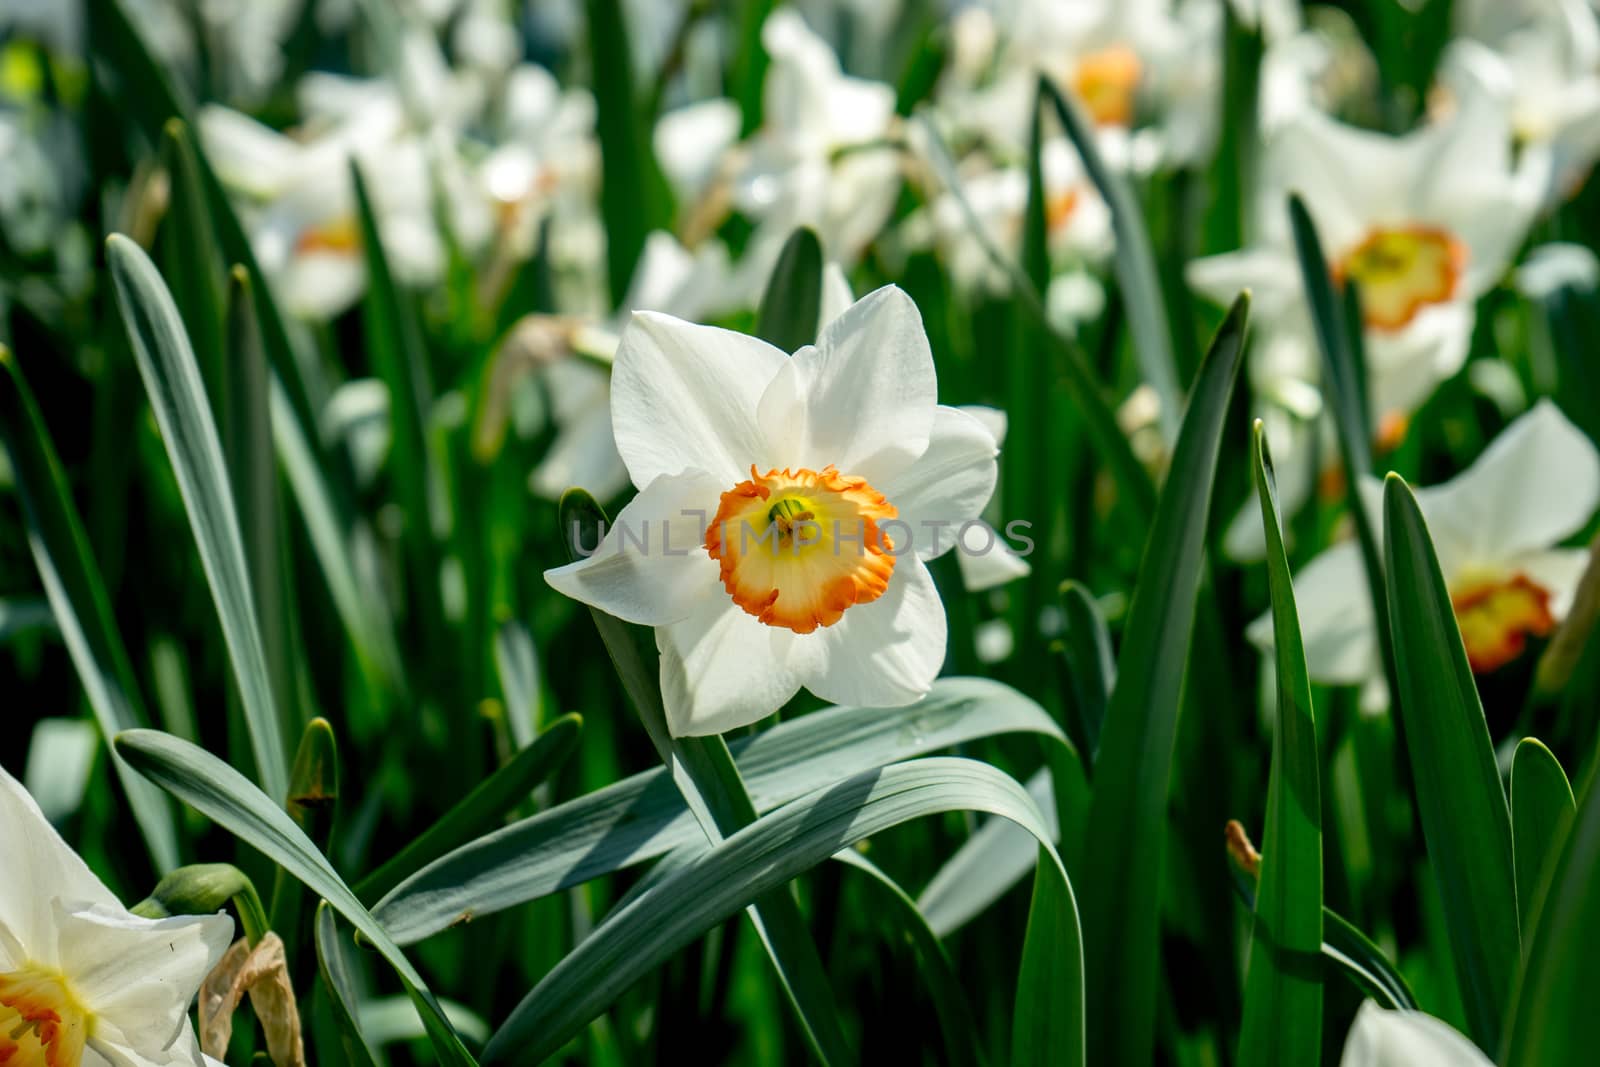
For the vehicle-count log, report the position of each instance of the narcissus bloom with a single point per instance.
(787, 505)
(82, 980)
(1494, 528)
(1381, 1038)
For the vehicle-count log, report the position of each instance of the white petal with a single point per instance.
(1405, 367)
(1336, 620)
(1557, 571)
(992, 418)
(948, 485)
(836, 295)
(39, 867)
(137, 974)
(246, 154)
(1380, 1038)
(863, 398)
(722, 669)
(986, 561)
(1535, 484)
(583, 454)
(651, 567)
(684, 397)
(886, 653)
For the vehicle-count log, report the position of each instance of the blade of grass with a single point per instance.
(1541, 805)
(1134, 263)
(78, 599)
(1465, 821)
(760, 859)
(1127, 814)
(226, 797)
(1283, 983)
(172, 381)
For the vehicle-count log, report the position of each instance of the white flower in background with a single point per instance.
(1494, 527)
(82, 980)
(691, 145)
(1077, 221)
(1145, 72)
(790, 503)
(1425, 223)
(985, 559)
(299, 204)
(1382, 1038)
(1541, 60)
(821, 158)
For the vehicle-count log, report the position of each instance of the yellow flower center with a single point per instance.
(42, 1022)
(1401, 269)
(1106, 82)
(340, 237)
(1497, 615)
(799, 548)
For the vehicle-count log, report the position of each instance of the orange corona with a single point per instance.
(1498, 617)
(338, 237)
(1401, 270)
(1107, 82)
(41, 1022)
(797, 549)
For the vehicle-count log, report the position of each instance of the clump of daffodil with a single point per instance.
(83, 981)
(1496, 528)
(787, 507)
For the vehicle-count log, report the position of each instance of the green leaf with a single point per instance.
(1089, 397)
(77, 596)
(517, 664)
(178, 398)
(225, 796)
(338, 974)
(761, 858)
(1337, 325)
(193, 261)
(1127, 814)
(1135, 264)
(644, 816)
(793, 299)
(634, 198)
(1541, 805)
(482, 809)
(1551, 1018)
(1283, 983)
(706, 776)
(1091, 667)
(951, 1011)
(1464, 818)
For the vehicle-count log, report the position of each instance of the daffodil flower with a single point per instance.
(82, 980)
(787, 506)
(1495, 528)
(1383, 1038)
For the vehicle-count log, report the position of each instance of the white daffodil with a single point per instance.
(821, 158)
(82, 980)
(1382, 1038)
(1077, 222)
(1145, 72)
(1495, 528)
(1541, 59)
(787, 505)
(1425, 223)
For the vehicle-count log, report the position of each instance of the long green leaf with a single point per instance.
(1091, 667)
(1135, 264)
(479, 811)
(1551, 1018)
(1464, 818)
(338, 978)
(517, 664)
(763, 857)
(644, 816)
(1283, 983)
(705, 774)
(1127, 815)
(78, 598)
(1541, 804)
(193, 261)
(225, 796)
(178, 397)
(1100, 420)
(793, 299)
